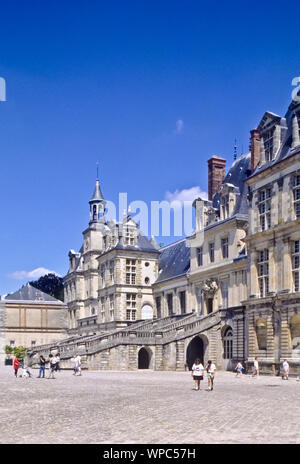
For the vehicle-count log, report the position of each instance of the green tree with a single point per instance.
(19, 352)
(8, 349)
(51, 284)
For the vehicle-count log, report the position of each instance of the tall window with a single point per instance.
(227, 343)
(225, 206)
(158, 306)
(200, 256)
(182, 302)
(296, 193)
(111, 307)
(111, 271)
(224, 246)
(212, 252)
(131, 306)
(296, 264)
(263, 272)
(224, 292)
(264, 207)
(268, 141)
(102, 309)
(130, 271)
(170, 303)
(102, 274)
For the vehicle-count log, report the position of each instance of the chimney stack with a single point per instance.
(254, 148)
(216, 174)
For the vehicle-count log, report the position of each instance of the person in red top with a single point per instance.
(16, 366)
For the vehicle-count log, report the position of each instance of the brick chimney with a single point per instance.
(254, 148)
(216, 174)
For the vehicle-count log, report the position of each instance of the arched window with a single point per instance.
(227, 343)
(295, 331)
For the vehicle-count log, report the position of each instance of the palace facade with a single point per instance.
(228, 292)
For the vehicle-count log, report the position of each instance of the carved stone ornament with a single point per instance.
(209, 287)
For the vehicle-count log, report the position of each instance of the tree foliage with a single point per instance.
(8, 349)
(19, 352)
(50, 284)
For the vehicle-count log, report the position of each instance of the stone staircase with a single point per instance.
(157, 332)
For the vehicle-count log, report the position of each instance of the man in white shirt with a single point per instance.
(255, 368)
(77, 361)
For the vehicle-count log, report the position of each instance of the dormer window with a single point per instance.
(129, 237)
(225, 206)
(268, 142)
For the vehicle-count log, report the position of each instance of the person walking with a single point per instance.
(16, 366)
(239, 369)
(42, 367)
(286, 368)
(197, 373)
(57, 363)
(255, 372)
(211, 370)
(77, 361)
(52, 366)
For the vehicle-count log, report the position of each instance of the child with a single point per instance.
(197, 373)
(239, 369)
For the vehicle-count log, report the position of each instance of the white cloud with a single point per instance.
(32, 275)
(186, 195)
(179, 126)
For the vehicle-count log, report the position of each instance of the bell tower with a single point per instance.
(97, 204)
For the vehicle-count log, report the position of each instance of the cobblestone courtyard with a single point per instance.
(147, 407)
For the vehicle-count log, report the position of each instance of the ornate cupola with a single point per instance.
(97, 204)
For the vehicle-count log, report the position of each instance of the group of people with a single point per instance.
(54, 366)
(239, 368)
(198, 372)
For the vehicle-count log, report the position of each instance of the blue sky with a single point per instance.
(109, 81)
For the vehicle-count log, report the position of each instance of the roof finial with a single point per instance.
(235, 147)
(97, 164)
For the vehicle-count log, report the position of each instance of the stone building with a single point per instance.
(273, 242)
(30, 317)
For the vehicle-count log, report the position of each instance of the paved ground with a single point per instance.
(147, 407)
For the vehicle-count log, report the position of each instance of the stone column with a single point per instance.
(253, 284)
(287, 273)
(180, 356)
(252, 344)
(270, 337)
(285, 336)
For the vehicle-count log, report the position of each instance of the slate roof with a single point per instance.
(174, 261)
(97, 195)
(236, 176)
(30, 293)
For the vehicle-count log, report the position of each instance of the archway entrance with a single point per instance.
(195, 350)
(143, 359)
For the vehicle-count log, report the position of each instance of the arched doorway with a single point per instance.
(195, 350)
(143, 359)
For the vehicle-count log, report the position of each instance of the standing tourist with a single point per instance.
(255, 368)
(286, 369)
(58, 362)
(52, 366)
(211, 370)
(77, 368)
(197, 373)
(42, 367)
(16, 366)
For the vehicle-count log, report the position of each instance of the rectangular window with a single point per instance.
(225, 206)
(268, 142)
(264, 208)
(182, 302)
(212, 252)
(263, 272)
(131, 306)
(102, 274)
(12, 343)
(296, 264)
(158, 306)
(111, 271)
(224, 292)
(224, 246)
(111, 307)
(170, 303)
(296, 195)
(200, 256)
(130, 271)
(129, 236)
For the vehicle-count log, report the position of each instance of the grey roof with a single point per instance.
(143, 244)
(97, 195)
(174, 260)
(285, 149)
(236, 176)
(30, 293)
